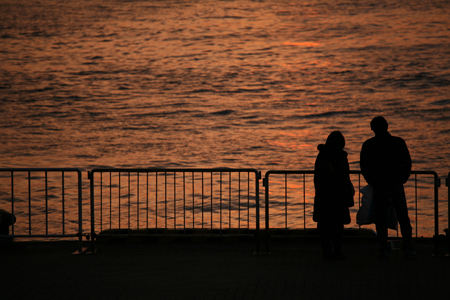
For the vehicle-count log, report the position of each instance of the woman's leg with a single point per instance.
(338, 231)
(324, 237)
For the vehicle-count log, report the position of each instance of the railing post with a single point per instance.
(92, 250)
(80, 212)
(12, 201)
(258, 238)
(447, 182)
(436, 213)
(266, 203)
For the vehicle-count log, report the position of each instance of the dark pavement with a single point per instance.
(218, 270)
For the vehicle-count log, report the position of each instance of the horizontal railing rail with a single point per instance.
(295, 192)
(46, 202)
(146, 202)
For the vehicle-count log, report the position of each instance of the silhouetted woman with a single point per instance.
(334, 194)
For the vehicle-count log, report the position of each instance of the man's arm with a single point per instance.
(406, 163)
(364, 163)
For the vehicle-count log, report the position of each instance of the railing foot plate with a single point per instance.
(84, 249)
(91, 251)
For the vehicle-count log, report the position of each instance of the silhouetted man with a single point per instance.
(386, 165)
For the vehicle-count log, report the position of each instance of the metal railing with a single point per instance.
(47, 202)
(293, 202)
(159, 202)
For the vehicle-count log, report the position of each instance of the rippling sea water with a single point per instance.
(219, 83)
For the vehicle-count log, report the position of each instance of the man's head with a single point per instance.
(379, 125)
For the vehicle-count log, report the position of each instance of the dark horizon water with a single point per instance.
(254, 84)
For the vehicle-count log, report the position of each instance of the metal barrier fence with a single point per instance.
(143, 202)
(293, 202)
(158, 202)
(47, 202)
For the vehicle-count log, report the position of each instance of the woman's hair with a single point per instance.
(336, 139)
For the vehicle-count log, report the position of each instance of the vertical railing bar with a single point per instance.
(285, 202)
(63, 208)
(436, 210)
(448, 208)
(399, 226)
(101, 201)
(203, 199)
(165, 201)
(156, 201)
(304, 201)
(257, 213)
(137, 211)
(184, 202)
(239, 202)
(29, 204)
(415, 200)
(80, 212)
(91, 190)
(267, 220)
(229, 200)
(129, 204)
(147, 204)
(110, 201)
(193, 202)
(46, 203)
(12, 201)
(119, 205)
(359, 187)
(174, 201)
(220, 203)
(359, 195)
(248, 200)
(211, 191)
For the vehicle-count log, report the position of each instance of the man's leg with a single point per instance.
(399, 201)
(380, 206)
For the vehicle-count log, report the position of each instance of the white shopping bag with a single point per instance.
(364, 215)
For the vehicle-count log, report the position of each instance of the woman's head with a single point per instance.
(336, 140)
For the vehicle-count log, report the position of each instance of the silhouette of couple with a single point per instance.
(385, 164)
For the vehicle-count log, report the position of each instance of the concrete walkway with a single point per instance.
(221, 270)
